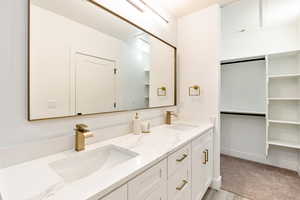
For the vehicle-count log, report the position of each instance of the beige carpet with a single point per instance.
(259, 182)
(221, 195)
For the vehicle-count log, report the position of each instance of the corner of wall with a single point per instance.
(217, 183)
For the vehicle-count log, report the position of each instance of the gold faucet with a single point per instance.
(81, 134)
(169, 117)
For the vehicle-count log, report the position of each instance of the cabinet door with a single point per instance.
(150, 185)
(208, 164)
(202, 163)
(198, 171)
(119, 194)
(158, 194)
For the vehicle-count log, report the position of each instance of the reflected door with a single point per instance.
(95, 85)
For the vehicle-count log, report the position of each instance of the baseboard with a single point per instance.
(260, 159)
(216, 183)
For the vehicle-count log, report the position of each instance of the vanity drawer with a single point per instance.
(179, 159)
(152, 184)
(179, 185)
(205, 136)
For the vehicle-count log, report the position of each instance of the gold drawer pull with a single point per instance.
(184, 156)
(204, 162)
(207, 155)
(184, 182)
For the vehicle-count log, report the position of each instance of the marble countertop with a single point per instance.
(35, 180)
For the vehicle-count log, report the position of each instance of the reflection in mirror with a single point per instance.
(85, 60)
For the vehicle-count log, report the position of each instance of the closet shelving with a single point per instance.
(284, 144)
(283, 101)
(284, 76)
(284, 122)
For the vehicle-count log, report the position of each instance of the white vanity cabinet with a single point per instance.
(202, 165)
(186, 174)
(150, 185)
(179, 174)
(118, 194)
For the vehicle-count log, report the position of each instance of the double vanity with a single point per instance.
(173, 162)
(89, 63)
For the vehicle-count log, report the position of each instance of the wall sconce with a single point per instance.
(194, 90)
(162, 91)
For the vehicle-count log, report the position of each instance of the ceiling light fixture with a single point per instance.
(154, 11)
(134, 5)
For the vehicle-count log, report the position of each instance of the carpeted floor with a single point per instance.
(221, 195)
(259, 182)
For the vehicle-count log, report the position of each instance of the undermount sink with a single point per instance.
(182, 127)
(86, 163)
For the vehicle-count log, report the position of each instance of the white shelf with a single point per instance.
(285, 76)
(284, 88)
(284, 122)
(293, 145)
(283, 108)
(284, 99)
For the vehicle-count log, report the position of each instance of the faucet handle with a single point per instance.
(82, 127)
(172, 113)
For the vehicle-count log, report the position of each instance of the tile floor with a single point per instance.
(221, 195)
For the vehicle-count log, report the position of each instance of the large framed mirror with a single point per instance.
(85, 59)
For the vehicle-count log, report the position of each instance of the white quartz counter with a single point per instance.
(36, 180)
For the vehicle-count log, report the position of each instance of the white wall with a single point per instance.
(199, 64)
(260, 42)
(243, 87)
(162, 73)
(271, 32)
(15, 129)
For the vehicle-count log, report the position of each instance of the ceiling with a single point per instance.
(183, 7)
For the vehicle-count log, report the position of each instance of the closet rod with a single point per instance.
(240, 113)
(241, 61)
